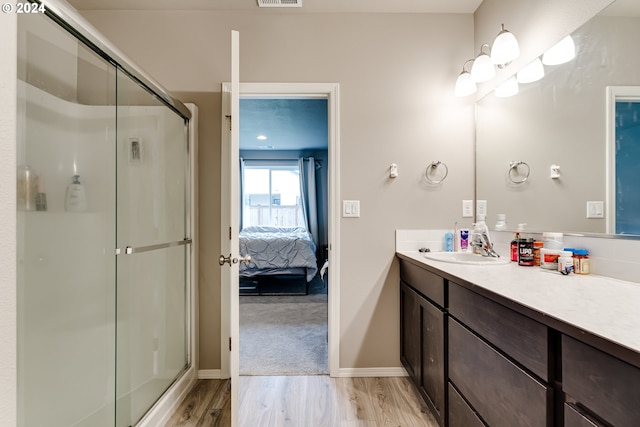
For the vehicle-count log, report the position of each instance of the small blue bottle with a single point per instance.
(448, 242)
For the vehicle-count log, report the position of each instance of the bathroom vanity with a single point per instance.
(503, 345)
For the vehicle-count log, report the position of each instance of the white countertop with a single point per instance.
(600, 305)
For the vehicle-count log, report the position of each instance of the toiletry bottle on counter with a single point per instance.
(552, 240)
(514, 247)
(464, 239)
(448, 242)
(565, 262)
(581, 263)
(515, 242)
(501, 223)
(537, 245)
(75, 199)
(525, 252)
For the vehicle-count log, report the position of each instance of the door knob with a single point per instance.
(227, 259)
(246, 259)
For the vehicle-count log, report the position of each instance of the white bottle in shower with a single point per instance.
(75, 199)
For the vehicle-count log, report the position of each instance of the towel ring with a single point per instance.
(433, 166)
(513, 166)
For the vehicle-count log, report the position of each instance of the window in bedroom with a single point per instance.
(271, 196)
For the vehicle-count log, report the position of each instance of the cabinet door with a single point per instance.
(573, 418)
(432, 380)
(460, 414)
(605, 385)
(503, 394)
(410, 332)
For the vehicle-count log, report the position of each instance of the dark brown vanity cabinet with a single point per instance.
(478, 360)
(602, 386)
(422, 339)
(498, 361)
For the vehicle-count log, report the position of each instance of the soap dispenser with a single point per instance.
(75, 198)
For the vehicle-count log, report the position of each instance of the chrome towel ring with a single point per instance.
(431, 172)
(513, 172)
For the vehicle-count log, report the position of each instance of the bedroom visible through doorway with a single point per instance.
(284, 220)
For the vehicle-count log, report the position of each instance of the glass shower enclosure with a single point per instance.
(103, 232)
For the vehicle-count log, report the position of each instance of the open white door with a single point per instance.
(229, 259)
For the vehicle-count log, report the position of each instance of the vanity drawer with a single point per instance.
(573, 418)
(460, 414)
(427, 283)
(523, 339)
(501, 392)
(605, 385)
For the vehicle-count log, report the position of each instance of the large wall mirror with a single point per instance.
(547, 156)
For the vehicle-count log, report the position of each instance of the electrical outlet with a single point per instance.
(481, 207)
(467, 209)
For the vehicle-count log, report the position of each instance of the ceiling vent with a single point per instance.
(280, 3)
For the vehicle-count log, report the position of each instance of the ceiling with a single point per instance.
(387, 6)
(288, 124)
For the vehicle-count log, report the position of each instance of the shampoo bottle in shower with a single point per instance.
(75, 199)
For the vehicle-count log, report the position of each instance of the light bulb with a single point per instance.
(507, 89)
(561, 52)
(482, 69)
(465, 85)
(532, 72)
(505, 48)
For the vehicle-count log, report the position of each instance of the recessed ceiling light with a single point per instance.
(261, 137)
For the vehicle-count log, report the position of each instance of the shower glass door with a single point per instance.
(65, 239)
(152, 266)
(103, 260)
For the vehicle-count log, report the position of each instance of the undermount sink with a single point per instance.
(466, 258)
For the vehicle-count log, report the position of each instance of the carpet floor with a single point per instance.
(284, 335)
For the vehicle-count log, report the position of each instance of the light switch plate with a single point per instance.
(351, 208)
(595, 209)
(481, 207)
(467, 209)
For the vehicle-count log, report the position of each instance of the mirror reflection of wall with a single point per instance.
(560, 120)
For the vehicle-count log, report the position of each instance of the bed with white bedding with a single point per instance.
(278, 251)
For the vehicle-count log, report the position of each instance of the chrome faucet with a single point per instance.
(481, 244)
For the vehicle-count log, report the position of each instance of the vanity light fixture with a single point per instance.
(482, 69)
(532, 72)
(561, 52)
(505, 48)
(465, 85)
(508, 88)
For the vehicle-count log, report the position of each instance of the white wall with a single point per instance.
(8, 54)
(396, 74)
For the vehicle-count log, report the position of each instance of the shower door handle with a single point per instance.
(227, 259)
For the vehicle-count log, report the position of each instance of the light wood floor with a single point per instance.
(306, 401)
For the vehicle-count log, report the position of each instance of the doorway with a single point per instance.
(284, 229)
(230, 300)
(623, 151)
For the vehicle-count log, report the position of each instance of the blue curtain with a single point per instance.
(308, 195)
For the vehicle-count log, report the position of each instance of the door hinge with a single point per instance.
(229, 343)
(229, 233)
(229, 117)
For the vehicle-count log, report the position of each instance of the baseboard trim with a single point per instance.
(160, 413)
(209, 374)
(372, 372)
